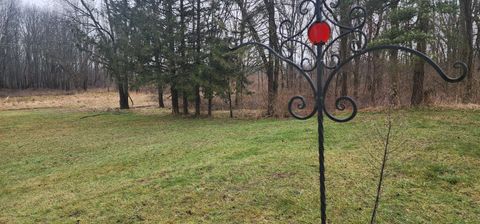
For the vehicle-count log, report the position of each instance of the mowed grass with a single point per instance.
(127, 167)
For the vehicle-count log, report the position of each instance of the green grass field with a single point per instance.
(147, 166)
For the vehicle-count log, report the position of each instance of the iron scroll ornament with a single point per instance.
(324, 13)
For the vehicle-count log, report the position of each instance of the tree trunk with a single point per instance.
(419, 67)
(123, 93)
(182, 50)
(356, 77)
(161, 103)
(418, 80)
(466, 19)
(175, 108)
(393, 94)
(270, 89)
(172, 63)
(230, 106)
(273, 65)
(198, 101)
(210, 105)
(185, 103)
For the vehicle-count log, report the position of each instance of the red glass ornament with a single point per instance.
(319, 33)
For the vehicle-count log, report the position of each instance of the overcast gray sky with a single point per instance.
(54, 4)
(42, 3)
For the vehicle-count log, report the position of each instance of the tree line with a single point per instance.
(182, 48)
(38, 50)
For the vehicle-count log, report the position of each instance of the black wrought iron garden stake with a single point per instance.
(319, 33)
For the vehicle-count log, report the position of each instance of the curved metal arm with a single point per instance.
(339, 103)
(302, 102)
(325, 11)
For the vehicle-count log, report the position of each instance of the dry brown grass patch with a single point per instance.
(91, 100)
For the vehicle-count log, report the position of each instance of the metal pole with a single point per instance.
(320, 98)
(321, 148)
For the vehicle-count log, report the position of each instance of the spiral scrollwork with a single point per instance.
(359, 41)
(356, 16)
(300, 106)
(340, 102)
(333, 4)
(288, 25)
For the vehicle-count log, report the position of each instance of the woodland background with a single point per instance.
(180, 50)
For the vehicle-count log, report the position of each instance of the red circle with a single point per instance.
(319, 33)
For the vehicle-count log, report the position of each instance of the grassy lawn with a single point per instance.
(146, 166)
